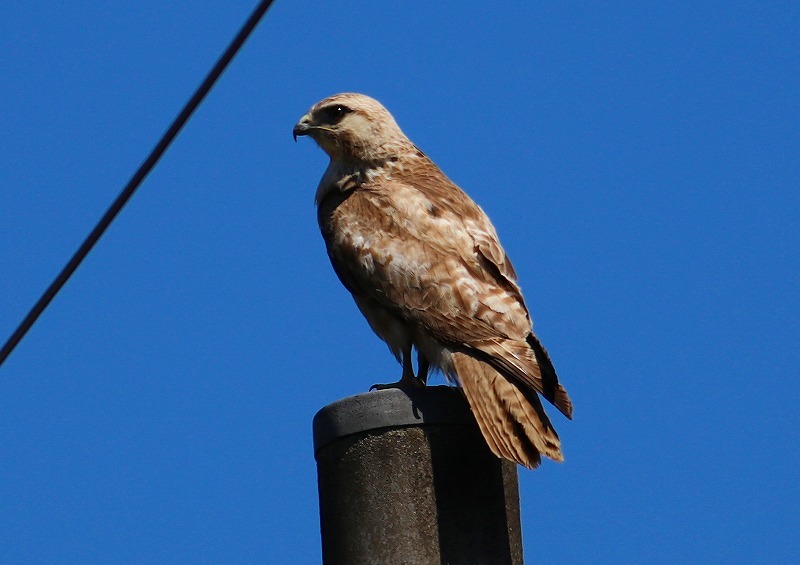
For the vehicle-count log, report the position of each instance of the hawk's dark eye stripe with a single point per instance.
(333, 114)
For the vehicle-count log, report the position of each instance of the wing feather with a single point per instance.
(429, 254)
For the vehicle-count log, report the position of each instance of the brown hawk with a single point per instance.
(425, 267)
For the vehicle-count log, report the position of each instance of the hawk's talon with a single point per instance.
(412, 382)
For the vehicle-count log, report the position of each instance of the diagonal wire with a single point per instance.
(136, 179)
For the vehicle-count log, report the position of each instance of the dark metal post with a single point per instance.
(406, 477)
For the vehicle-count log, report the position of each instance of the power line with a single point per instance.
(136, 179)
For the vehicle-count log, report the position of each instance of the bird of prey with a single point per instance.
(425, 267)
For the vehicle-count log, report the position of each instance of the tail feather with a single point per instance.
(512, 420)
(497, 436)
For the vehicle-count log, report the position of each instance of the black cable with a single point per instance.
(136, 180)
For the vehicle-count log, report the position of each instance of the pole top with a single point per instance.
(390, 408)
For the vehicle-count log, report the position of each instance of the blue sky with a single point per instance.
(640, 161)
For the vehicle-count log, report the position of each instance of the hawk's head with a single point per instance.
(353, 127)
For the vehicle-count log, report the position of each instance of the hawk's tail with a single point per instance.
(510, 418)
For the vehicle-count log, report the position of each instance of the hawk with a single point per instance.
(426, 268)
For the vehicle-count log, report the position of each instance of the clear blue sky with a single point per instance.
(639, 159)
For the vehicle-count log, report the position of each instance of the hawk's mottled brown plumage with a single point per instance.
(425, 267)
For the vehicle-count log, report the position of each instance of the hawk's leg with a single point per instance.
(408, 380)
(422, 368)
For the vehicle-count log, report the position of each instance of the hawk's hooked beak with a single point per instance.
(302, 127)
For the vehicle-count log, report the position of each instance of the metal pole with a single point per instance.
(406, 477)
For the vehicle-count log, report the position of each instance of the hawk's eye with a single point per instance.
(334, 114)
